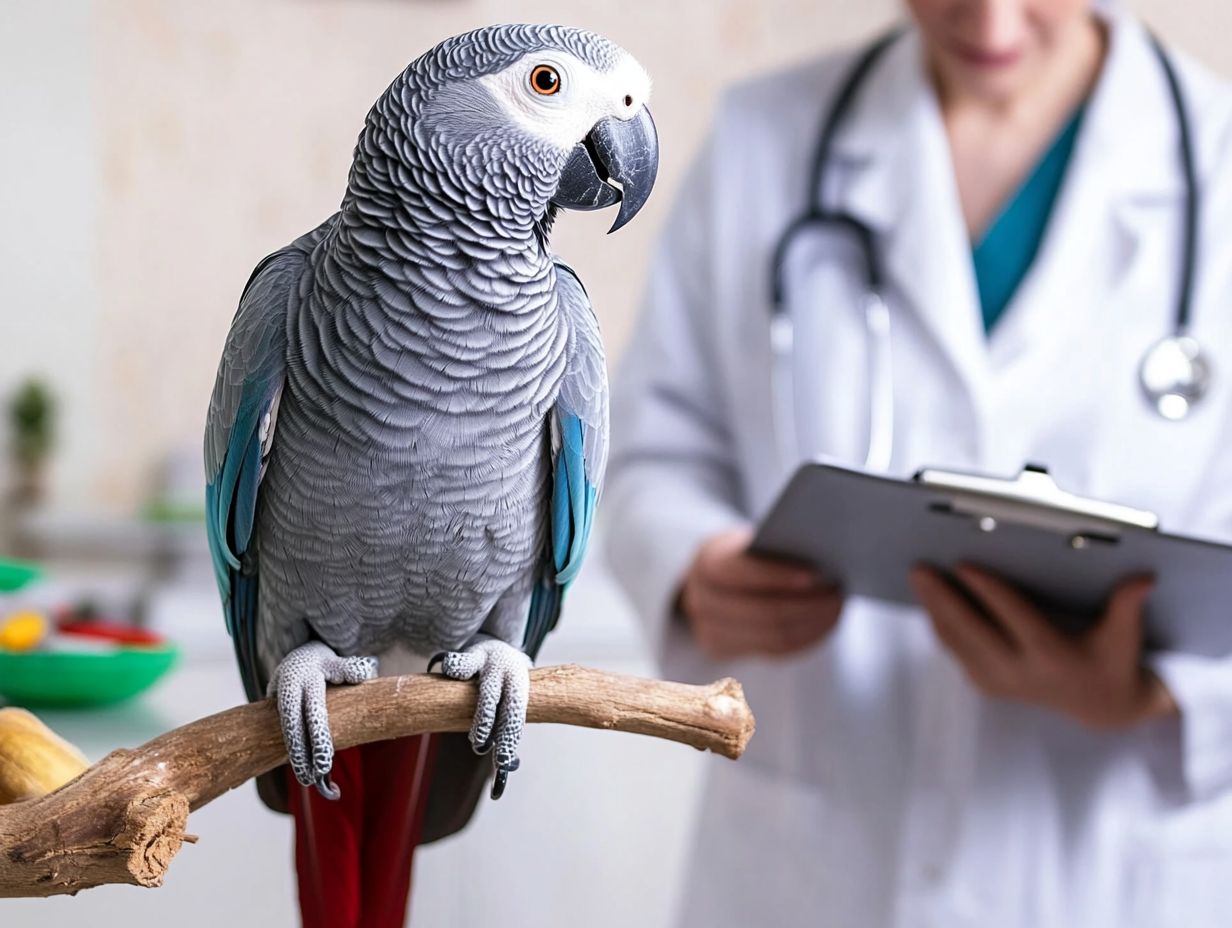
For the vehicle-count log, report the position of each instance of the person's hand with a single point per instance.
(1012, 652)
(738, 605)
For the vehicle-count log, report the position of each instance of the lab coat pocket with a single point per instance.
(1181, 872)
(773, 850)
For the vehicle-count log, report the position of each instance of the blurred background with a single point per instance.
(152, 153)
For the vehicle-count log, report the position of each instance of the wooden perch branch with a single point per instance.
(123, 819)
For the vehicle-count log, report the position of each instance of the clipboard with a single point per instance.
(1066, 552)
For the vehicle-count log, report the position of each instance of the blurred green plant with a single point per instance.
(32, 414)
(168, 511)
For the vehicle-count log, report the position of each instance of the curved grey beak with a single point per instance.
(616, 163)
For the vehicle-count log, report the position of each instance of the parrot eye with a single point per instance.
(545, 80)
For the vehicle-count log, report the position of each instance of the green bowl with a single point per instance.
(69, 679)
(16, 574)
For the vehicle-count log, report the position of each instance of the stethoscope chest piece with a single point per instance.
(1175, 376)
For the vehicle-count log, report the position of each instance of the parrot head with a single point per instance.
(593, 108)
(542, 117)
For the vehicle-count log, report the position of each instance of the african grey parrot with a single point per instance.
(408, 431)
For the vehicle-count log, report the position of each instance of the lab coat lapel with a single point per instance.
(1098, 223)
(895, 173)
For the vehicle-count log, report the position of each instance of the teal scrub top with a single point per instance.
(1005, 253)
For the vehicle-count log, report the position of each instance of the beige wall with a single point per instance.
(221, 130)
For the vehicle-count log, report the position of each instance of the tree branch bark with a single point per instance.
(123, 820)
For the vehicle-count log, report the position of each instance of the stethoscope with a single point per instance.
(1174, 373)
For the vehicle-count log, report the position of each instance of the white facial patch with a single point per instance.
(585, 97)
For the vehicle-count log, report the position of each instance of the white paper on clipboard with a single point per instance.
(1067, 552)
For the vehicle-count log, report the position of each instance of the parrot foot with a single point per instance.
(504, 690)
(299, 685)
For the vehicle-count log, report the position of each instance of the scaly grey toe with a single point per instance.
(299, 684)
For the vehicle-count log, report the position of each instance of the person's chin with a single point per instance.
(992, 78)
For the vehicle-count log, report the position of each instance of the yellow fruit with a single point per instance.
(22, 631)
(34, 760)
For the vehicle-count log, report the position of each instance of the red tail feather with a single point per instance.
(353, 856)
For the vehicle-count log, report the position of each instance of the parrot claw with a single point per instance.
(498, 784)
(437, 659)
(503, 672)
(298, 685)
(502, 777)
(327, 788)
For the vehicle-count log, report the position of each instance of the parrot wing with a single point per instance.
(579, 429)
(239, 435)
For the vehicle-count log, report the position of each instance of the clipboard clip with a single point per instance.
(1034, 499)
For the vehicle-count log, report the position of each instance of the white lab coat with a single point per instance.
(881, 789)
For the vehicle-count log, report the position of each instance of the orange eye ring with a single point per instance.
(545, 80)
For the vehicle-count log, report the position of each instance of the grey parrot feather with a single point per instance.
(409, 426)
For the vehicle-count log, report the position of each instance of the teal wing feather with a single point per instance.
(238, 440)
(579, 446)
